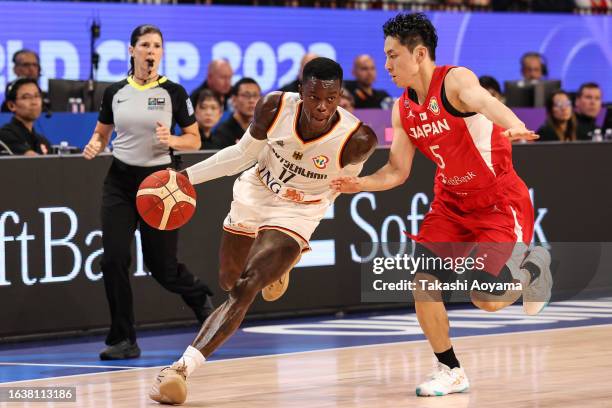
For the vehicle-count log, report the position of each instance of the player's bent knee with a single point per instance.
(248, 286)
(226, 284)
(228, 278)
(421, 292)
(488, 305)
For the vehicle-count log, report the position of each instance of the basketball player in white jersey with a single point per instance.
(296, 144)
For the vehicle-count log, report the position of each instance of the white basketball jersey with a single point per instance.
(301, 170)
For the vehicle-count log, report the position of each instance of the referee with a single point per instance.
(142, 109)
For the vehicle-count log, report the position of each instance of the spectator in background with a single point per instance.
(26, 64)
(364, 71)
(560, 121)
(208, 111)
(490, 84)
(245, 94)
(24, 99)
(293, 86)
(533, 67)
(346, 100)
(588, 106)
(218, 80)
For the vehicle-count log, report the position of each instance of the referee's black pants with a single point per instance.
(159, 248)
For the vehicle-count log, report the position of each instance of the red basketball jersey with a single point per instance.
(469, 150)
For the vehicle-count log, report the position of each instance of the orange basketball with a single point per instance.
(166, 200)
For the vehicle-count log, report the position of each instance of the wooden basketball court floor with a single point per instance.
(556, 367)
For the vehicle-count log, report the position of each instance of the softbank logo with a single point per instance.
(419, 206)
(15, 235)
(324, 251)
(82, 256)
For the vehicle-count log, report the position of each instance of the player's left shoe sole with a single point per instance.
(276, 289)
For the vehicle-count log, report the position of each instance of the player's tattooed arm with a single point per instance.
(360, 146)
(266, 110)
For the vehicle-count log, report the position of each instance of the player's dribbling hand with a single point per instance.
(346, 185)
(520, 133)
(163, 134)
(92, 149)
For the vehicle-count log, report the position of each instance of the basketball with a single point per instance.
(166, 200)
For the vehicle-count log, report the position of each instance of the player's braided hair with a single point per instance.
(412, 30)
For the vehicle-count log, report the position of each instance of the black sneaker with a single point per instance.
(120, 351)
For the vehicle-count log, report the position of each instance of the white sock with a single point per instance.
(192, 359)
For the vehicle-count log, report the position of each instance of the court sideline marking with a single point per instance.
(312, 351)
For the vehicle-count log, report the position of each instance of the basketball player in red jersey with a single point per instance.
(451, 119)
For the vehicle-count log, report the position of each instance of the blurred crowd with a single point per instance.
(224, 111)
(579, 6)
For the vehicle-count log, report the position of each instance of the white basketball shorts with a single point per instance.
(256, 208)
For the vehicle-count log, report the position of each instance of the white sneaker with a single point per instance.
(537, 295)
(170, 385)
(444, 381)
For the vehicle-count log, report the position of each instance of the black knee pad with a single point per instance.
(481, 276)
(441, 274)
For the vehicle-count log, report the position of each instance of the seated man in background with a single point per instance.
(588, 106)
(293, 86)
(533, 67)
(26, 64)
(245, 94)
(18, 137)
(208, 112)
(364, 71)
(218, 80)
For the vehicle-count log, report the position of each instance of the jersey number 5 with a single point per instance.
(439, 158)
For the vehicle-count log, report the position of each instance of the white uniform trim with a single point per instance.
(481, 130)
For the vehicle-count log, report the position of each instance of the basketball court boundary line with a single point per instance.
(66, 365)
(313, 351)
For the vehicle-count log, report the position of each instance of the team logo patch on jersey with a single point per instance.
(298, 155)
(294, 195)
(156, 103)
(433, 105)
(320, 161)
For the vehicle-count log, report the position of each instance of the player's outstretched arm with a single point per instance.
(242, 155)
(392, 174)
(474, 98)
